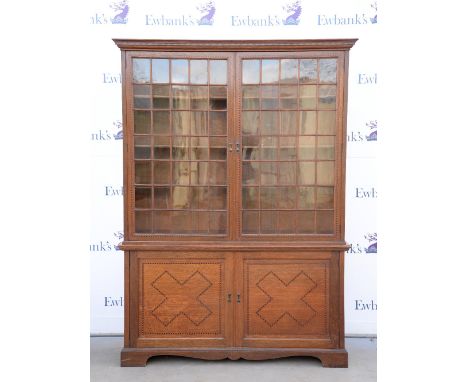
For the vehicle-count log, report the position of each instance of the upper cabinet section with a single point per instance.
(234, 140)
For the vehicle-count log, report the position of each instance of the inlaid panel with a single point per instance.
(288, 127)
(180, 109)
(287, 297)
(182, 298)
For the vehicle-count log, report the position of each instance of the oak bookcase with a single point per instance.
(234, 180)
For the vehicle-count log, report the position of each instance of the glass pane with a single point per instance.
(199, 123)
(181, 173)
(268, 220)
(286, 197)
(305, 221)
(306, 173)
(162, 172)
(326, 173)
(306, 147)
(288, 103)
(162, 197)
(180, 148)
(162, 147)
(199, 95)
(160, 103)
(181, 197)
(161, 96)
(199, 71)
(218, 123)
(286, 221)
(144, 90)
(142, 197)
(326, 122)
(308, 122)
(289, 91)
(141, 70)
(250, 97)
(179, 71)
(201, 222)
(287, 148)
(289, 70)
(250, 222)
(182, 221)
(160, 70)
(250, 149)
(308, 97)
(326, 147)
(218, 222)
(250, 71)
(328, 70)
(268, 197)
(199, 148)
(327, 97)
(161, 124)
(218, 173)
(143, 222)
(141, 103)
(218, 148)
(287, 172)
(218, 198)
(270, 71)
(162, 221)
(142, 172)
(181, 122)
(288, 122)
(325, 222)
(251, 173)
(325, 197)
(218, 72)
(180, 97)
(269, 173)
(250, 122)
(308, 71)
(200, 198)
(269, 148)
(270, 91)
(218, 98)
(142, 122)
(250, 198)
(199, 173)
(269, 123)
(305, 197)
(142, 147)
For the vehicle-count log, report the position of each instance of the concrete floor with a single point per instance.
(105, 358)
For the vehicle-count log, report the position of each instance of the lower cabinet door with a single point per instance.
(288, 300)
(180, 299)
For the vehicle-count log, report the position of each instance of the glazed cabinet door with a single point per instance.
(288, 299)
(180, 299)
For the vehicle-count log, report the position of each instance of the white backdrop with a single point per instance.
(240, 19)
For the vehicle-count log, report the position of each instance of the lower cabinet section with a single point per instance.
(253, 305)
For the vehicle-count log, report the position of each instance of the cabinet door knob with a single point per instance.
(238, 298)
(229, 298)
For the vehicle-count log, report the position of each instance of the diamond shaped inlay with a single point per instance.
(286, 299)
(181, 298)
